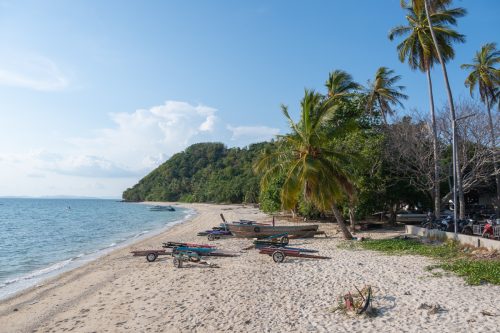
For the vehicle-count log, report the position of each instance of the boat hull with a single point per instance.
(260, 231)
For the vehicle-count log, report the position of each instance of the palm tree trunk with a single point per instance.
(382, 110)
(493, 153)
(436, 194)
(352, 219)
(450, 100)
(340, 221)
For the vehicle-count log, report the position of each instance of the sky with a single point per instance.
(96, 94)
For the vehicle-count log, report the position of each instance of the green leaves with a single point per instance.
(483, 72)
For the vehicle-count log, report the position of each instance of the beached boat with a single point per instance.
(162, 208)
(260, 231)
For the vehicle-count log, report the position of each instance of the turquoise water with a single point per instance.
(42, 237)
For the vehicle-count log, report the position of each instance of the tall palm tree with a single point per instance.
(383, 93)
(312, 170)
(430, 7)
(419, 51)
(484, 75)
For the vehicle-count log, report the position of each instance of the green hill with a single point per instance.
(204, 172)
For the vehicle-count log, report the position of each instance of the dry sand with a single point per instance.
(250, 293)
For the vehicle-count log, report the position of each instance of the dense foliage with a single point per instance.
(204, 172)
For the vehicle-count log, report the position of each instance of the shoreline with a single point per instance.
(249, 293)
(32, 279)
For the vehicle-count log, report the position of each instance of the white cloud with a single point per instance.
(35, 72)
(253, 133)
(143, 139)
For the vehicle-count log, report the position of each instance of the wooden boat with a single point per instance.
(261, 231)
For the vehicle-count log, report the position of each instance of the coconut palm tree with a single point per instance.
(484, 75)
(434, 7)
(419, 51)
(340, 84)
(382, 92)
(312, 170)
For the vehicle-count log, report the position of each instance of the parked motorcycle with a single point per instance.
(488, 227)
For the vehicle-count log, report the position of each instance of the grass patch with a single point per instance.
(475, 272)
(450, 254)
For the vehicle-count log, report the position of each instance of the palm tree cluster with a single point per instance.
(313, 167)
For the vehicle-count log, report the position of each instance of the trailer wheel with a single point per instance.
(256, 229)
(278, 256)
(211, 237)
(285, 240)
(177, 263)
(151, 257)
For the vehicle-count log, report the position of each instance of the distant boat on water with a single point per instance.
(162, 208)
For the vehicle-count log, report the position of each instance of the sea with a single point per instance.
(40, 238)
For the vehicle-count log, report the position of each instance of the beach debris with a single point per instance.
(356, 302)
(432, 308)
(487, 313)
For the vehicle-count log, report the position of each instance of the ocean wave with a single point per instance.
(37, 273)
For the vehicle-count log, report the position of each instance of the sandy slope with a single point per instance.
(250, 293)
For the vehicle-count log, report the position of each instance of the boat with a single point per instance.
(162, 208)
(260, 231)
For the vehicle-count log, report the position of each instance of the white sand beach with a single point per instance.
(249, 293)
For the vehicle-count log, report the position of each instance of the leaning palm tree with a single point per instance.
(340, 84)
(419, 51)
(383, 94)
(486, 77)
(312, 170)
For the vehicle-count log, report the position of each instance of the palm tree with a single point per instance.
(419, 51)
(434, 7)
(486, 77)
(383, 93)
(312, 170)
(340, 84)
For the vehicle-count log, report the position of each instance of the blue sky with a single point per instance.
(95, 94)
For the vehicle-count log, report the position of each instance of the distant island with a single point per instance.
(204, 172)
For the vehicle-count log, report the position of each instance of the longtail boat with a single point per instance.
(261, 231)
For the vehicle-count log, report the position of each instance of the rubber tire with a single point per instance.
(285, 240)
(177, 262)
(211, 237)
(256, 229)
(151, 257)
(278, 256)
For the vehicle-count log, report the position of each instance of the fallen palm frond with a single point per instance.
(357, 302)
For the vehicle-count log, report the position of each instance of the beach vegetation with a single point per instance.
(450, 255)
